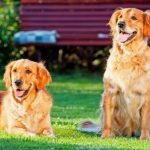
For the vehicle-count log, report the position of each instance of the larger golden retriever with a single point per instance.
(126, 97)
(25, 106)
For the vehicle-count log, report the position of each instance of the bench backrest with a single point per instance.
(77, 23)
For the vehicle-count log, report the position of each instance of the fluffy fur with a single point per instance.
(126, 96)
(25, 106)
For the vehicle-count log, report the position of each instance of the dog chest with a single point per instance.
(32, 120)
(32, 117)
(129, 72)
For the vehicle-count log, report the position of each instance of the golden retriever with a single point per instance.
(126, 97)
(25, 106)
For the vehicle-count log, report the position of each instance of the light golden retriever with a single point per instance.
(126, 97)
(25, 107)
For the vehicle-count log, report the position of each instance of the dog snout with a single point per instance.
(18, 82)
(121, 24)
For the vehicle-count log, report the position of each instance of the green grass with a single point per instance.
(76, 97)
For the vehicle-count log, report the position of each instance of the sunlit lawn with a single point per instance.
(76, 97)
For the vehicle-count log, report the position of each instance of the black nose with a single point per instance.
(18, 82)
(121, 24)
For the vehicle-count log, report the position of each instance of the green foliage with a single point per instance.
(76, 97)
(67, 59)
(9, 25)
(88, 58)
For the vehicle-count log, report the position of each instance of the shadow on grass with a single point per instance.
(48, 144)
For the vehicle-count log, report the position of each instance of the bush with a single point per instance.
(87, 58)
(9, 24)
(66, 59)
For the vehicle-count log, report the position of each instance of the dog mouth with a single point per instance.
(124, 36)
(20, 93)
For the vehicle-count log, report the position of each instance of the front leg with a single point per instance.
(107, 108)
(145, 121)
(108, 104)
(45, 128)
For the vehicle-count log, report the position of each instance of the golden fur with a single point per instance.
(25, 107)
(126, 97)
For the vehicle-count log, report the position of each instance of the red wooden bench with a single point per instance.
(78, 22)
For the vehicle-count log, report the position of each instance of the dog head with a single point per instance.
(23, 76)
(129, 25)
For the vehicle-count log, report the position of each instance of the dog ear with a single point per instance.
(7, 74)
(146, 23)
(43, 76)
(113, 19)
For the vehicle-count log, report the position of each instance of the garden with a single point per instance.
(76, 90)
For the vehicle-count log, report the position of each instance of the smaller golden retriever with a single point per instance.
(25, 106)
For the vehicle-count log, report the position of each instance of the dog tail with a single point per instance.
(88, 126)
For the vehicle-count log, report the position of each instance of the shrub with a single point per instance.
(66, 59)
(9, 24)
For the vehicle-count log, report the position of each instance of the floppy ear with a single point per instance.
(147, 23)
(113, 19)
(43, 76)
(7, 74)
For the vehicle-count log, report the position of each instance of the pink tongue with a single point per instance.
(19, 93)
(123, 37)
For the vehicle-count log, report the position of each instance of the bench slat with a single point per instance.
(66, 24)
(83, 43)
(67, 30)
(83, 1)
(50, 13)
(80, 36)
(68, 17)
(80, 7)
(76, 43)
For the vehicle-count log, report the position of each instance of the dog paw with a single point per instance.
(51, 136)
(145, 137)
(106, 133)
(30, 134)
(48, 133)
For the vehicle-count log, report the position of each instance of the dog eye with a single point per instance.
(28, 71)
(120, 16)
(133, 18)
(14, 70)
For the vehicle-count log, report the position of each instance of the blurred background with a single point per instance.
(83, 41)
